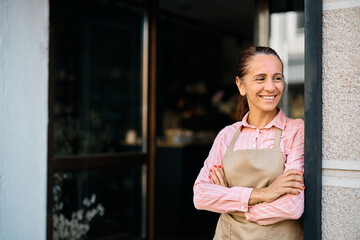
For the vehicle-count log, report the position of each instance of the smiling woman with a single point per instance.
(253, 175)
(261, 83)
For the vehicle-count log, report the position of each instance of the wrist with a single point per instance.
(257, 196)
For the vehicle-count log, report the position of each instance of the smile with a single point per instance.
(268, 97)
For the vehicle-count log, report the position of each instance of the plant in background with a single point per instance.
(78, 225)
(82, 135)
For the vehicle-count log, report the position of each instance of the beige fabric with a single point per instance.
(255, 168)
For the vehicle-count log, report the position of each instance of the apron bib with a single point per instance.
(254, 168)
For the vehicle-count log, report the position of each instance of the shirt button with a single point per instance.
(253, 145)
(257, 130)
(242, 207)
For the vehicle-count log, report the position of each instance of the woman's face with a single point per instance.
(263, 85)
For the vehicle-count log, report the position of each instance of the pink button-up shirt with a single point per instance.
(221, 199)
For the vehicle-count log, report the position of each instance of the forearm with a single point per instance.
(288, 206)
(215, 198)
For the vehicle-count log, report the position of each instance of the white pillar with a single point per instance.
(24, 56)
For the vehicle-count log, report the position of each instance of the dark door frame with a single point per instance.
(313, 119)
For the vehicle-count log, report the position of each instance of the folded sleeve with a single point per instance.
(288, 206)
(215, 198)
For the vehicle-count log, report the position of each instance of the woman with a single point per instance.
(253, 175)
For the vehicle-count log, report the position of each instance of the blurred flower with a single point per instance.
(78, 225)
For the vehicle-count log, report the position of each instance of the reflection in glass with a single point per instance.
(287, 38)
(98, 204)
(97, 77)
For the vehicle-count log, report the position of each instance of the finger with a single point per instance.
(294, 178)
(291, 191)
(220, 176)
(222, 170)
(214, 177)
(211, 180)
(295, 185)
(223, 173)
(288, 176)
(293, 172)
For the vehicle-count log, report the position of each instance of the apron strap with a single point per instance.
(233, 141)
(277, 137)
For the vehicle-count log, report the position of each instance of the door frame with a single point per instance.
(313, 119)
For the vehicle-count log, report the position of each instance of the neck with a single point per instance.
(261, 119)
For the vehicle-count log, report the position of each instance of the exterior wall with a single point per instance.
(341, 119)
(23, 118)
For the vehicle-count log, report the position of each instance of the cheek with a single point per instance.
(280, 87)
(254, 89)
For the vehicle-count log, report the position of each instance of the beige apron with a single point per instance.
(254, 168)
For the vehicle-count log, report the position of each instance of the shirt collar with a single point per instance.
(279, 121)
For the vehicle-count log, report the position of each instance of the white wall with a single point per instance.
(24, 37)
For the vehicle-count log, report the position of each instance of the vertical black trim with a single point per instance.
(50, 154)
(313, 118)
(152, 16)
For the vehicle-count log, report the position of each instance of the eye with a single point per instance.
(278, 79)
(260, 79)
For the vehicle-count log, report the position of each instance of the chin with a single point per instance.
(269, 108)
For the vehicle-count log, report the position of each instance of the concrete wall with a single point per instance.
(24, 33)
(341, 119)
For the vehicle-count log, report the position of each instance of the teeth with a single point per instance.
(268, 98)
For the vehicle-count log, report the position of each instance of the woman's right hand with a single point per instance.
(217, 176)
(290, 182)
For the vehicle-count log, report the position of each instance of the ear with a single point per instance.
(241, 86)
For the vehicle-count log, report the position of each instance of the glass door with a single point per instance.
(98, 141)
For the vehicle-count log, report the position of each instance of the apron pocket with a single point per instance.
(285, 235)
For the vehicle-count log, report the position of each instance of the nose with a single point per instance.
(269, 85)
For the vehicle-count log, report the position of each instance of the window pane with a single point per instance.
(98, 204)
(287, 38)
(97, 103)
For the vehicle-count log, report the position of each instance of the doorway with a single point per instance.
(197, 46)
(197, 49)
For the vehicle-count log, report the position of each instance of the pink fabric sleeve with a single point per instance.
(288, 206)
(215, 198)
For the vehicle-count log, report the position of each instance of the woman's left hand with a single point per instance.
(217, 176)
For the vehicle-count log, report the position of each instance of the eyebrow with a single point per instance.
(264, 74)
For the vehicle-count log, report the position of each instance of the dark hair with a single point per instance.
(242, 106)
